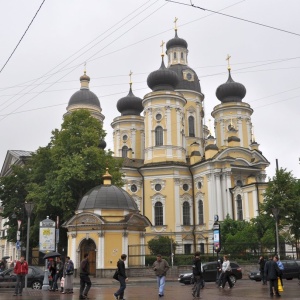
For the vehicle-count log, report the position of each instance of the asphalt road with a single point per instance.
(244, 289)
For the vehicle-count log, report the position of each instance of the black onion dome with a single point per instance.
(107, 197)
(130, 105)
(102, 144)
(84, 96)
(176, 42)
(186, 84)
(231, 91)
(162, 79)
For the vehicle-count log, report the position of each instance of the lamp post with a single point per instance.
(275, 212)
(29, 208)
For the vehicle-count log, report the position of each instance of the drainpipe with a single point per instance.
(194, 209)
(257, 195)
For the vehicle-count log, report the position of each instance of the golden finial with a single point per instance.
(175, 22)
(84, 70)
(228, 58)
(209, 126)
(130, 74)
(162, 48)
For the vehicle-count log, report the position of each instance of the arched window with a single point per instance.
(239, 207)
(186, 213)
(174, 55)
(158, 211)
(200, 212)
(181, 55)
(191, 126)
(124, 151)
(239, 183)
(159, 136)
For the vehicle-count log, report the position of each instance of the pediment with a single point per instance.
(84, 219)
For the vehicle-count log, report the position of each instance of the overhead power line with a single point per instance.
(230, 16)
(22, 36)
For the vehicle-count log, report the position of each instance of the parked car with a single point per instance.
(34, 279)
(291, 270)
(210, 273)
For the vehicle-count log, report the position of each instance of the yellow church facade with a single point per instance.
(176, 173)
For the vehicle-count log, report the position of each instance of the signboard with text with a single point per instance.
(47, 236)
(217, 242)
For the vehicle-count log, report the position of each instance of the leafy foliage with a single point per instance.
(162, 245)
(58, 175)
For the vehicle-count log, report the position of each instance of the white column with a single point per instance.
(219, 197)
(142, 251)
(177, 204)
(255, 204)
(100, 252)
(73, 253)
(211, 198)
(125, 245)
(133, 141)
(245, 202)
(229, 195)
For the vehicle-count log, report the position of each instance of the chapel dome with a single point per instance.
(84, 97)
(176, 42)
(130, 105)
(162, 79)
(231, 91)
(107, 196)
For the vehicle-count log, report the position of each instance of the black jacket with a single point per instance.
(262, 263)
(271, 270)
(197, 267)
(121, 268)
(85, 267)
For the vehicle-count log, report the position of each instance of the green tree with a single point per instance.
(162, 245)
(59, 174)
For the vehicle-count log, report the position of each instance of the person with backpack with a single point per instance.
(197, 273)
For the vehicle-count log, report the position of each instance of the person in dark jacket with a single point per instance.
(119, 294)
(85, 281)
(262, 263)
(197, 273)
(58, 275)
(271, 273)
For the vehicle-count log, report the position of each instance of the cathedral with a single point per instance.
(181, 175)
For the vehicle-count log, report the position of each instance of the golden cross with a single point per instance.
(228, 58)
(175, 22)
(130, 73)
(162, 48)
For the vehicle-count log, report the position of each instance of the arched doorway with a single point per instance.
(89, 246)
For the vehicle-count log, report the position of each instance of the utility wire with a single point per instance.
(22, 36)
(230, 16)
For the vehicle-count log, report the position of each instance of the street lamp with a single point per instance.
(275, 212)
(29, 208)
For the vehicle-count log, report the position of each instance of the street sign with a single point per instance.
(47, 235)
(18, 245)
(217, 241)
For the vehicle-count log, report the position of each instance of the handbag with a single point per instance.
(280, 288)
(116, 275)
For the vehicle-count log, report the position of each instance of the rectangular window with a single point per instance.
(187, 248)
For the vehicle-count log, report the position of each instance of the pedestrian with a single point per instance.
(160, 266)
(58, 274)
(219, 272)
(226, 270)
(197, 273)
(119, 294)
(271, 273)
(52, 271)
(68, 275)
(281, 268)
(2, 265)
(21, 270)
(85, 281)
(262, 263)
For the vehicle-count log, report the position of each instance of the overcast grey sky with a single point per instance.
(114, 37)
